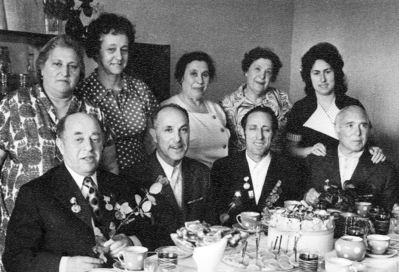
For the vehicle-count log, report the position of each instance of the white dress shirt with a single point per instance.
(174, 175)
(258, 171)
(347, 165)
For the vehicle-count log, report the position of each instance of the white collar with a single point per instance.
(253, 164)
(79, 178)
(167, 168)
(353, 155)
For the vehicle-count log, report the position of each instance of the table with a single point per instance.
(367, 265)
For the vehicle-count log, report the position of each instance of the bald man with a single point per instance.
(53, 224)
(351, 162)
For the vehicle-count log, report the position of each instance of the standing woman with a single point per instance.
(261, 67)
(28, 120)
(126, 101)
(208, 133)
(310, 128)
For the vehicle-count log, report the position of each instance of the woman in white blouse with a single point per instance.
(208, 133)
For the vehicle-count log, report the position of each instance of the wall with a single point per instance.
(366, 33)
(225, 31)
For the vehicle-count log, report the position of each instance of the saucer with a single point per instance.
(388, 254)
(119, 268)
(239, 227)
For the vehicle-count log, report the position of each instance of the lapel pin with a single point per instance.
(251, 194)
(246, 185)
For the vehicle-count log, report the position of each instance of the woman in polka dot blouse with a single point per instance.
(209, 136)
(126, 101)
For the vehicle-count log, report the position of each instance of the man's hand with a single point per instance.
(117, 244)
(318, 149)
(312, 196)
(377, 155)
(82, 264)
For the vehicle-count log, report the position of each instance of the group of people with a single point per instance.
(67, 143)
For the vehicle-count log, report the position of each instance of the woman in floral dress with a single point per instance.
(28, 119)
(126, 101)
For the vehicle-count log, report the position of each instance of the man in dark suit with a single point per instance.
(186, 180)
(351, 163)
(245, 181)
(53, 226)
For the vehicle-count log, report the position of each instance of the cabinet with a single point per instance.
(149, 62)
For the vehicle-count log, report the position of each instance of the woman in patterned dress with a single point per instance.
(208, 133)
(261, 67)
(28, 119)
(126, 101)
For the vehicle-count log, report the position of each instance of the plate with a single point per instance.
(266, 262)
(388, 254)
(181, 254)
(119, 267)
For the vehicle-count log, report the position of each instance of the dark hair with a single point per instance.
(262, 53)
(60, 128)
(154, 116)
(107, 23)
(264, 109)
(64, 41)
(330, 54)
(187, 58)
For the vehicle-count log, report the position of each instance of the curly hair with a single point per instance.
(262, 53)
(64, 41)
(330, 54)
(187, 58)
(107, 23)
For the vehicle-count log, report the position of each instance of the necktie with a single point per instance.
(93, 198)
(176, 185)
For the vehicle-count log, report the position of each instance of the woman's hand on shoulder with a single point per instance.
(377, 155)
(318, 149)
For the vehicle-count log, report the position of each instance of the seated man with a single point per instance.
(183, 197)
(351, 163)
(58, 215)
(254, 178)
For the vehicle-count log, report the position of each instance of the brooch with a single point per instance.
(75, 207)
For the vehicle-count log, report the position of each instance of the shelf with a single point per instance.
(35, 39)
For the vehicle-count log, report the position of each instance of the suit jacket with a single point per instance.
(381, 179)
(167, 214)
(43, 227)
(227, 178)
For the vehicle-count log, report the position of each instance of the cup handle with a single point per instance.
(121, 260)
(238, 218)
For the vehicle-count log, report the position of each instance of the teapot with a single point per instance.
(350, 247)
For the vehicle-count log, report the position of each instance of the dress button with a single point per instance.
(222, 130)
(214, 116)
(224, 147)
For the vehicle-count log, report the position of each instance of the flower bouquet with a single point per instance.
(124, 214)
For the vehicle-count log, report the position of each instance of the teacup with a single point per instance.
(248, 220)
(363, 208)
(132, 257)
(335, 264)
(378, 243)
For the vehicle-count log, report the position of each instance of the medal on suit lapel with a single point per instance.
(251, 194)
(75, 207)
(246, 185)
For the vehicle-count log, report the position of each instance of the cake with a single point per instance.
(303, 227)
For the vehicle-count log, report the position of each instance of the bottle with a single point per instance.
(4, 84)
(30, 70)
(5, 62)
